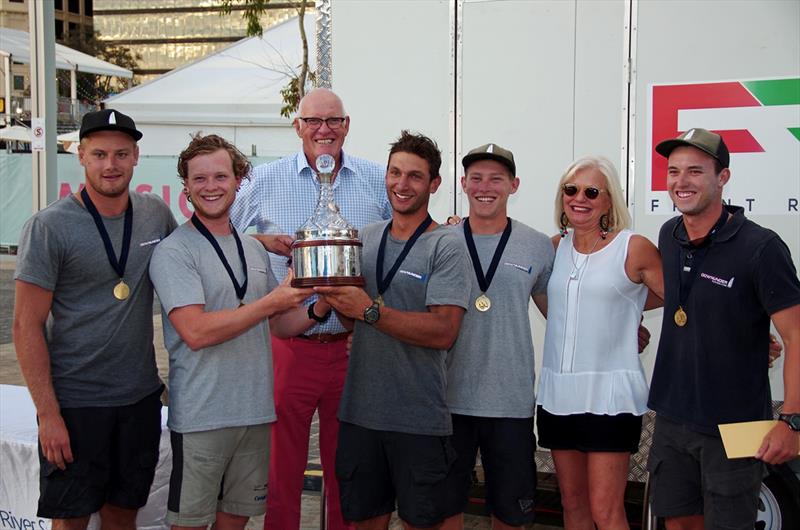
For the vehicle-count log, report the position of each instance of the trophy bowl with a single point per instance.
(327, 257)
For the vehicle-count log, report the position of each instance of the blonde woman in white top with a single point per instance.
(592, 389)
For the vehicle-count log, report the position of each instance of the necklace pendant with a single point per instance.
(574, 274)
(482, 303)
(121, 290)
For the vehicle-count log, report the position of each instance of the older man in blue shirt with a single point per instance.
(310, 368)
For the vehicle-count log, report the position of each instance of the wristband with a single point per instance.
(324, 318)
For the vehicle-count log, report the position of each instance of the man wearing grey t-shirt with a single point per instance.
(217, 290)
(83, 332)
(394, 435)
(490, 376)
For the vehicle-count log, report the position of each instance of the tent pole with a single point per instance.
(41, 16)
(73, 93)
(7, 72)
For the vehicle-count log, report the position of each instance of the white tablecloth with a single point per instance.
(19, 468)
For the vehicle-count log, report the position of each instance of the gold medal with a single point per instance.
(121, 290)
(482, 303)
(680, 317)
(379, 300)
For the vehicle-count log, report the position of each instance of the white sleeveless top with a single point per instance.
(591, 360)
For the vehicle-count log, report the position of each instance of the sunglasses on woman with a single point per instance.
(590, 192)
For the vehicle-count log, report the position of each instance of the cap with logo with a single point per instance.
(707, 141)
(108, 120)
(491, 152)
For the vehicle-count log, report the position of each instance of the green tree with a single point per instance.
(295, 89)
(94, 87)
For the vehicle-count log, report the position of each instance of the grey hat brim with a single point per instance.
(475, 157)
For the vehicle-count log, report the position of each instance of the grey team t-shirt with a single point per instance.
(101, 349)
(392, 385)
(229, 384)
(490, 369)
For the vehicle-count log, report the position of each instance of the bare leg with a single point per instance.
(573, 483)
(73, 523)
(116, 518)
(688, 522)
(608, 477)
(376, 523)
(229, 521)
(451, 523)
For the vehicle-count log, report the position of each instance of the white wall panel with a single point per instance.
(392, 68)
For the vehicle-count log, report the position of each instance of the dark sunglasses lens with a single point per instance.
(570, 190)
(591, 193)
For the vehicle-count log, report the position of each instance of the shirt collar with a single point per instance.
(725, 233)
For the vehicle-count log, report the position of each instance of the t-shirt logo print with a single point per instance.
(717, 280)
(420, 277)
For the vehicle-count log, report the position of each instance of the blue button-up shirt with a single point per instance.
(281, 195)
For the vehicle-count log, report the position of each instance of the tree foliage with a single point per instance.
(295, 89)
(94, 87)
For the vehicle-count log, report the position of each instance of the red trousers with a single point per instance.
(308, 376)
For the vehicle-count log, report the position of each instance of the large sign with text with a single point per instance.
(760, 123)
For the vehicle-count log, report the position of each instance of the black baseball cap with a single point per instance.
(108, 120)
(491, 152)
(705, 140)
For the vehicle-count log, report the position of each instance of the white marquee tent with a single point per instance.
(234, 92)
(17, 44)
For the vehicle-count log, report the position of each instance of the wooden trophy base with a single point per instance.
(334, 281)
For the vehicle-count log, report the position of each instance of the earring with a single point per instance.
(188, 198)
(604, 225)
(564, 224)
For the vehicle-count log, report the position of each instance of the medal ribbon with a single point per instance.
(240, 289)
(695, 255)
(383, 283)
(117, 265)
(485, 281)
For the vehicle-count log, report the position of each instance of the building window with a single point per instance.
(19, 82)
(59, 30)
(75, 6)
(17, 1)
(88, 8)
(73, 28)
(59, 5)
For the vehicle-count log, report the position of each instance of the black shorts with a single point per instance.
(375, 468)
(508, 448)
(690, 474)
(115, 452)
(589, 432)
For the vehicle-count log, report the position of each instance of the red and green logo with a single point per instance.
(751, 116)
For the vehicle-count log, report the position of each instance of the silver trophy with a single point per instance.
(326, 250)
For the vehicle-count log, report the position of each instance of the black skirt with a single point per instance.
(589, 432)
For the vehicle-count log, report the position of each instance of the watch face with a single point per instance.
(372, 314)
(793, 420)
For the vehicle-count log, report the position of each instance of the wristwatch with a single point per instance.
(793, 420)
(324, 318)
(372, 313)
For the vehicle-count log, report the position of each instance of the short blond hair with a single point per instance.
(618, 216)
